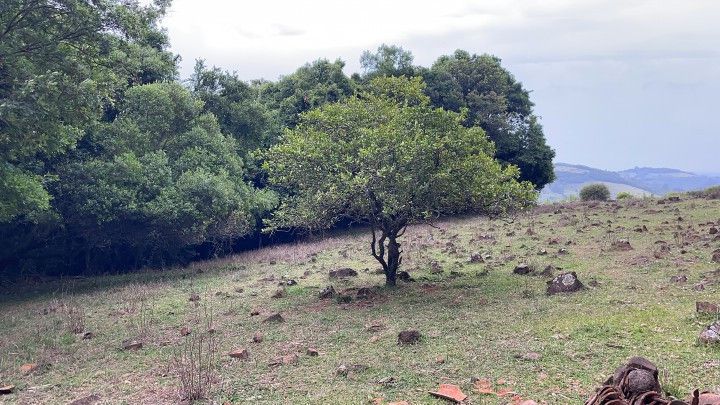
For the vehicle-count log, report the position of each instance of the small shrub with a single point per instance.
(595, 192)
(195, 360)
(624, 195)
(712, 193)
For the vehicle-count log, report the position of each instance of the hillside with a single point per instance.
(119, 339)
(638, 181)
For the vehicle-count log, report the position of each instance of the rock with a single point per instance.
(386, 380)
(28, 368)
(290, 282)
(343, 299)
(343, 273)
(523, 269)
(449, 392)
(184, 331)
(279, 293)
(476, 258)
(365, 293)
(679, 278)
(6, 389)
(716, 256)
(409, 337)
(707, 398)
(345, 370)
(621, 245)
(327, 292)
(713, 231)
(542, 252)
(194, 298)
(239, 290)
(312, 352)
(274, 318)
(564, 283)
(241, 354)
(404, 276)
(707, 307)
(548, 271)
(563, 251)
(132, 344)
(711, 335)
(88, 335)
(254, 312)
(639, 381)
(88, 400)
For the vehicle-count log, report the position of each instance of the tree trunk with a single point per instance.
(393, 261)
(388, 255)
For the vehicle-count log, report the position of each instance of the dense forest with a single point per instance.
(110, 162)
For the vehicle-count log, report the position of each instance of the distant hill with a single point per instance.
(638, 181)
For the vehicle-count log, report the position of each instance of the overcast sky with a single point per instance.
(617, 83)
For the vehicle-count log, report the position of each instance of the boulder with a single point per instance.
(564, 283)
(523, 269)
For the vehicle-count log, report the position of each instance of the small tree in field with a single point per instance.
(387, 158)
(595, 192)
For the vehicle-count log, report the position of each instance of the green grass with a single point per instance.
(480, 320)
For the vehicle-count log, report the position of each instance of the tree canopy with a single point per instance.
(388, 158)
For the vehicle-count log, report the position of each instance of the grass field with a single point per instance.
(479, 321)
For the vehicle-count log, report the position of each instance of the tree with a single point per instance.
(595, 192)
(157, 181)
(236, 105)
(311, 86)
(62, 63)
(387, 158)
(499, 104)
(388, 60)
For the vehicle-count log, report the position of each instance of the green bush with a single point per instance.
(623, 195)
(595, 192)
(713, 193)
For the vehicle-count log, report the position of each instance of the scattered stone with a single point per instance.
(312, 352)
(563, 251)
(239, 290)
(374, 338)
(476, 258)
(274, 318)
(716, 256)
(564, 283)
(327, 292)
(342, 273)
(523, 269)
(440, 360)
(711, 335)
(6, 389)
(542, 252)
(409, 337)
(290, 282)
(707, 307)
(386, 380)
(621, 245)
(132, 344)
(713, 231)
(88, 400)
(254, 312)
(365, 293)
(241, 354)
(699, 287)
(258, 337)
(345, 370)
(194, 297)
(28, 368)
(279, 293)
(449, 392)
(679, 279)
(88, 335)
(184, 331)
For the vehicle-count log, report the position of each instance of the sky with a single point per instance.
(617, 83)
